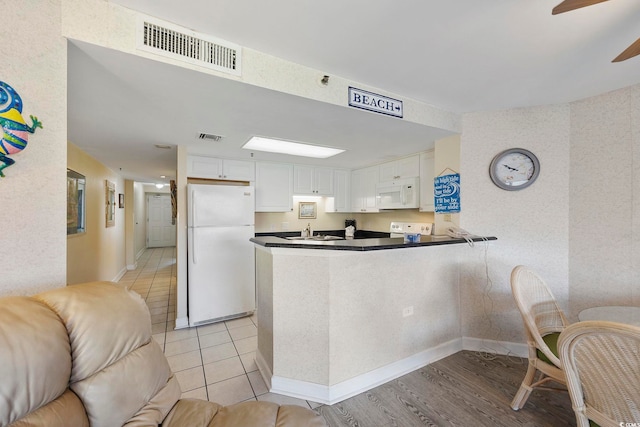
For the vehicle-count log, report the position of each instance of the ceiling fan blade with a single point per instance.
(568, 5)
(629, 52)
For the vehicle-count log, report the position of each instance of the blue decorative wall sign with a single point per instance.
(373, 102)
(15, 132)
(446, 193)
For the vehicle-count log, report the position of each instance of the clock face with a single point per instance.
(514, 169)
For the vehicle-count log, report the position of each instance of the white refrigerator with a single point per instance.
(221, 259)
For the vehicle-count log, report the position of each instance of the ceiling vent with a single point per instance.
(209, 136)
(172, 41)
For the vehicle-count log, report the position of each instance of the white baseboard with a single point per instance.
(264, 369)
(132, 266)
(120, 274)
(341, 391)
(504, 348)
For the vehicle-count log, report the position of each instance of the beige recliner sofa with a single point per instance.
(83, 355)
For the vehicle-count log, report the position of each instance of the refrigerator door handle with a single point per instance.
(193, 223)
(193, 246)
(193, 210)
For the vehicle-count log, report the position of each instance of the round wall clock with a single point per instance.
(514, 169)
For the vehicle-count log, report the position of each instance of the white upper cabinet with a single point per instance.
(427, 174)
(238, 170)
(274, 187)
(408, 167)
(341, 200)
(311, 180)
(214, 168)
(363, 189)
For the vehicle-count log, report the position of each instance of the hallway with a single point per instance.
(214, 362)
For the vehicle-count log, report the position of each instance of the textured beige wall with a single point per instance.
(604, 232)
(33, 193)
(531, 225)
(347, 318)
(578, 225)
(99, 253)
(264, 299)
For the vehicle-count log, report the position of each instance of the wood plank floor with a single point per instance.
(464, 389)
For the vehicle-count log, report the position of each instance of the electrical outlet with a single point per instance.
(285, 226)
(447, 217)
(272, 227)
(407, 311)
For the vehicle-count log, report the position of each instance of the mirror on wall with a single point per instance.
(75, 202)
(110, 204)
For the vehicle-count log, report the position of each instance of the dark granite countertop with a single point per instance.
(363, 241)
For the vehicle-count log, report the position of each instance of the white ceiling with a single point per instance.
(461, 56)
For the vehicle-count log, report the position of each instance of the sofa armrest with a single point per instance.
(200, 413)
(191, 412)
(292, 415)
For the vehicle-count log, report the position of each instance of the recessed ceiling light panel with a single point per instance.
(280, 146)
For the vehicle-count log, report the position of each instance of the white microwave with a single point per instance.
(398, 194)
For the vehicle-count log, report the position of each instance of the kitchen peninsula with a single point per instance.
(338, 317)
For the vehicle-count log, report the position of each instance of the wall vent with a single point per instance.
(175, 42)
(209, 136)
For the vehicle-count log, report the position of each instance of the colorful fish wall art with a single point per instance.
(15, 131)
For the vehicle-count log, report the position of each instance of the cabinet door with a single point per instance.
(363, 189)
(341, 190)
(312, 180)
(303, 179)
(204, 167)
(409, 167)
(274, 187)
(388, 171)
(427, 175)
(238, 170)
(369, 186)
(215, 168)
(323, 181)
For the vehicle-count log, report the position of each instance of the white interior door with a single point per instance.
(160, 231)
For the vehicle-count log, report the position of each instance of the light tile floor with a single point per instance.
(214, 362)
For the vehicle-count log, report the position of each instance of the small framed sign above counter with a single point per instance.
(307, 210)
(446, 192)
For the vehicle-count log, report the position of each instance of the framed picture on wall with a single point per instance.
(110, 204)
(307, 210)
(75, 202)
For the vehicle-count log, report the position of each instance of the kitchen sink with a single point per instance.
(317, 238)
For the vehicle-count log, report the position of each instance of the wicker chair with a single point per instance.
(601, 361)
(543, 322)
